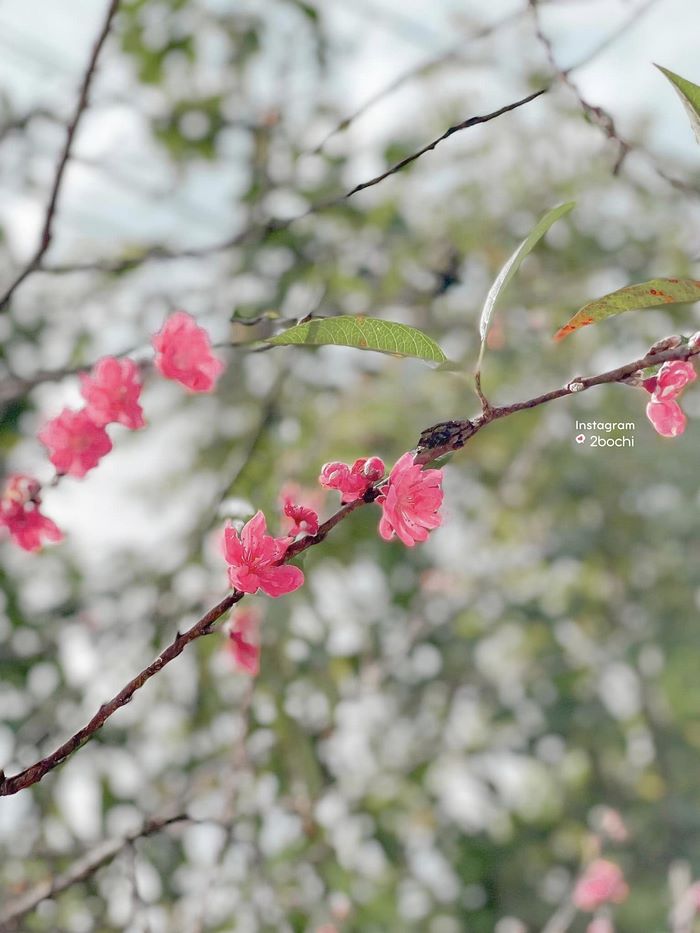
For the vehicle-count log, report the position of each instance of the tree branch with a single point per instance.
(454, 51)
(50, 214)
(81, 870)
(449, 436)
(262, 232)
(434, 442)
(597, 115)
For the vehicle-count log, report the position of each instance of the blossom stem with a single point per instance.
(435, 441)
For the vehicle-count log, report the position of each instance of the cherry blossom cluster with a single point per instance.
(77, 440)
(410, 500)
(663, 410)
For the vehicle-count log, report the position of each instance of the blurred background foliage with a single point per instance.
(432, 731)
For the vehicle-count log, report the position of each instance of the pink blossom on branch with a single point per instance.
(352, 481)
(672, 378)
(663, 410)
(244, 640)
(111, 392)
(75, 443)
(183, 353)
(667, 417)
(303, 520)
(601, 882)
(20, 514)
(29, 528)
(410, 502)
(253, 557)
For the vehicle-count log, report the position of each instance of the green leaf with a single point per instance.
(508, 271)
(365, 333)
(651, 294)
(689, 94)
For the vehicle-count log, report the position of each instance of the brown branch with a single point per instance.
(81, 870)
(454, 51)
(46, 235)
(262, 232)
(203, 626)
(434, 442)
(449, 436)
(458, 127)
(11, 785)
(597, 115)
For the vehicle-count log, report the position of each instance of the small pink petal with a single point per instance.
(666, 416)
(75, 443)
(410, 502)
(672, 378)
(602, 882)
(184, 353)
(278, 581)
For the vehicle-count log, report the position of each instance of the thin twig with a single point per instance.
(71, 130)
(262, 232)
(458, 127)
(448, 436)
(456, 50)
(434, 442)
(81, 870)
(596, 114)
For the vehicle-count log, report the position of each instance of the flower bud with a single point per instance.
(374, 469)
(667, 343)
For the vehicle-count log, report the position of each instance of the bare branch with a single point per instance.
(37, 771)
(464, 125)
(49, 217)
(262, 232)
(434, 442)
(454, 51)
(81, 870)
(598, 115)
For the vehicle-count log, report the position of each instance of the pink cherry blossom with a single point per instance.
(20, 514)
(672, 378)
(75, 443)
(352, 481)
(304, 521)
(254, 558)
(667, 417)
(244, 640)
(111, 392)
(29, 527)
(183, 353)
(410, 502)
(601, 882)
(300, 508)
